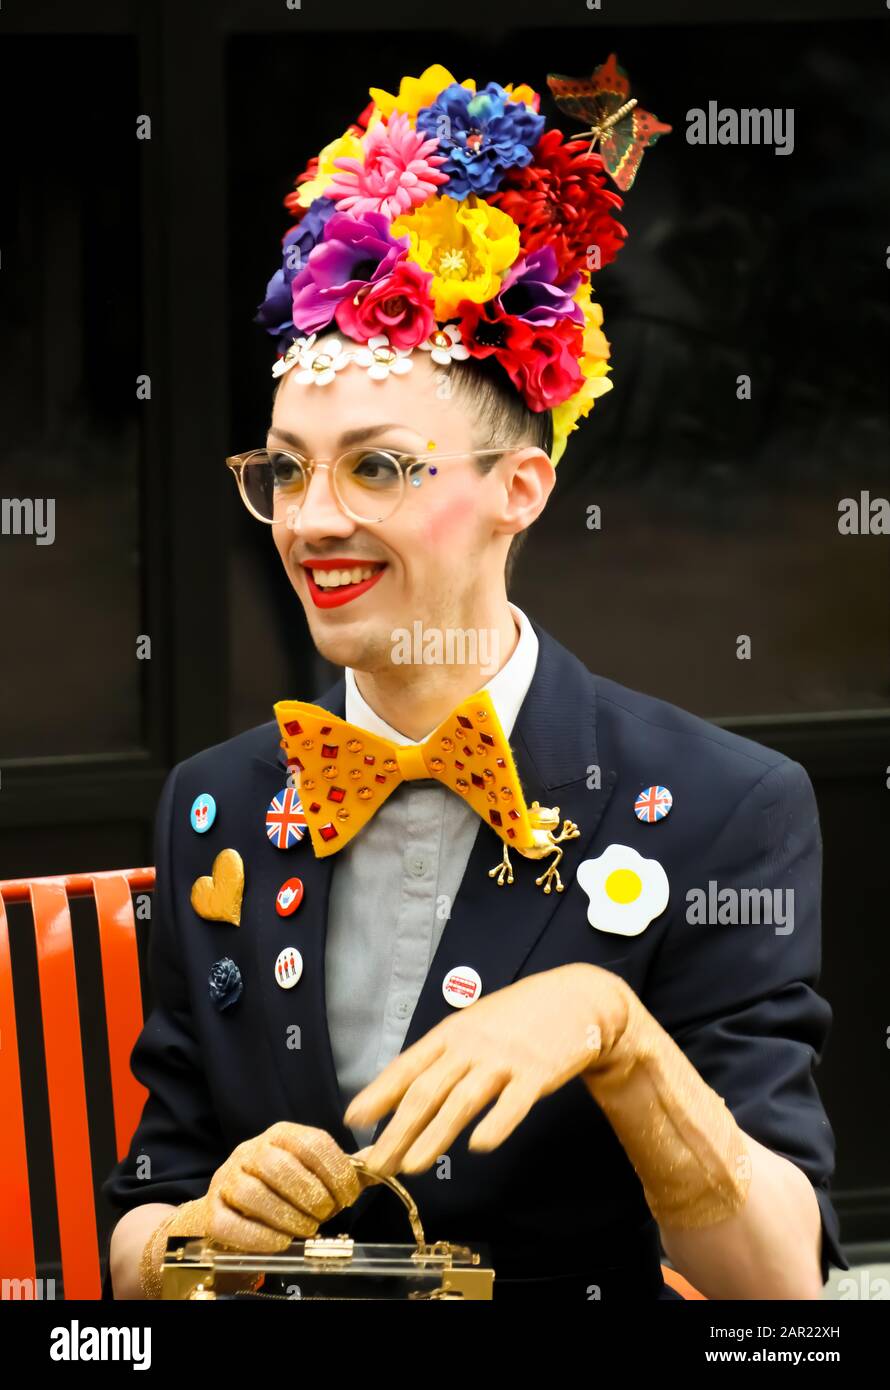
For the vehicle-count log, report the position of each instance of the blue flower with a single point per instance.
(275, 314)
(226, 986)
(483, 134)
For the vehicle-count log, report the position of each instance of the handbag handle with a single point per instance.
(439, 1249)
(404, 1197)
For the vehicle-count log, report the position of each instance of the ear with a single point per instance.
(528, 477)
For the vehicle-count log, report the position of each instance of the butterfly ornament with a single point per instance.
(612, 116)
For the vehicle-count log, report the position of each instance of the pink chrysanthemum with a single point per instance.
(399, 171)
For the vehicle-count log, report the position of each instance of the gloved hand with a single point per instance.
(274, 1188)
(524, 1042)
(681, 1137)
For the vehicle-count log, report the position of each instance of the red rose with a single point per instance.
(399, 305)
(548, 371)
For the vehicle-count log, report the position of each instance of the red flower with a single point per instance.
(561, 200)
(549, 371)
(292, 200)
(487, 331)
(360, 124)
(399, 305)
(542, 362)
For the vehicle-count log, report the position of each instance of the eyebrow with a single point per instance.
(356, 436)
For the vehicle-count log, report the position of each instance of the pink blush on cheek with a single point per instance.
(445, 522)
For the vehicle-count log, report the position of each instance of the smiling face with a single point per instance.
(439, 558)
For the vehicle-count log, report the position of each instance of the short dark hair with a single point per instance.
(503, 418)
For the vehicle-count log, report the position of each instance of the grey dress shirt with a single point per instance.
(391, 892)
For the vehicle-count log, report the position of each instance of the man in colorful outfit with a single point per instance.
(454, 890)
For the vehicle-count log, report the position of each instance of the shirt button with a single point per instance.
(417, 866)
(402, 1010)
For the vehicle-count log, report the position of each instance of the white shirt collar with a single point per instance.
(508, 687)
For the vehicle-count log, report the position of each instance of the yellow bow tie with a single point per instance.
(346, 773)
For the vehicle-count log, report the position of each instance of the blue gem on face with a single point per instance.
(417, 479)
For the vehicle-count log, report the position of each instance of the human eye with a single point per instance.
(284, 468)
(373, 468)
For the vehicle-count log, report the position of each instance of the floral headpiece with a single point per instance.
(448, 219)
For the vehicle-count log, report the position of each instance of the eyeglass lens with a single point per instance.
(368, 482)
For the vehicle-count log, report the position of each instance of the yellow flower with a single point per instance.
(521, 93)
(467, 249)
(594, 365)
(596, 344)
(417, 92)
(567, 415)
(345, 146)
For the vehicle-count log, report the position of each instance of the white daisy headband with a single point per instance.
(320, 363)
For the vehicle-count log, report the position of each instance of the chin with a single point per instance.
(342, 648)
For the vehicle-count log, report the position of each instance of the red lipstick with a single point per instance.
(344, 593)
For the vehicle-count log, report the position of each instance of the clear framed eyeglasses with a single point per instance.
(369, 483)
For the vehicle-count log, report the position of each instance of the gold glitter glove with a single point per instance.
(678, 1133)
(275, 1188)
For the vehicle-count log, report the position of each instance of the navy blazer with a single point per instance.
(558, 1204)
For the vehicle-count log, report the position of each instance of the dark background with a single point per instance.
(120, 257)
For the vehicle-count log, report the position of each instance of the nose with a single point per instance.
(320, 516)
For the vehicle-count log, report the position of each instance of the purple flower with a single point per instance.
(275, 312)
(530, 291)
(225, 983)
(354, 251)
(488, 133)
